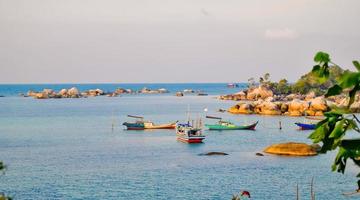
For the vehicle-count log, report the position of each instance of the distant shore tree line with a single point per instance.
(307, 83)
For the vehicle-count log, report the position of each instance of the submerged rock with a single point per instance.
(213, 153)
(292, 149)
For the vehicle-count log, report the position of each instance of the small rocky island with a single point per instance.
(75, 93)
(303, 98)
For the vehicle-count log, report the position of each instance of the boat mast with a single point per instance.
(188, 113)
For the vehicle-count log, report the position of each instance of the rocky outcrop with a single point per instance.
(63, 92)
(242, 108)
(114, 94)
(150, 91)
(297, 107)
(310, 95)
(188, 91)
(317, 106)
(179, 94)
(292, 149)
(260, 92)
(163, 90)
(123, 91)
(267, 108)
(93, 93)
(252, 94)
(73, 92)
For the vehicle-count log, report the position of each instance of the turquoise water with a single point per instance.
(66, 149)
(210, 88)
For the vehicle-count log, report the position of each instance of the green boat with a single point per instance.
(227, 125)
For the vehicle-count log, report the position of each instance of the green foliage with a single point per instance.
(251, 82)
(2, 195)
(2, 167)
(332, 130)
(311, 81)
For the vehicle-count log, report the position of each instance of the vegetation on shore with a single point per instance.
(306, 84)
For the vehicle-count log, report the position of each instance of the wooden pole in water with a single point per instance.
(297, 191)
(312, 189)
(112, 121)
(280, 127)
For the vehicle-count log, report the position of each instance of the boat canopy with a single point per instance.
(138, 117)
(185, 125)
(211, 117)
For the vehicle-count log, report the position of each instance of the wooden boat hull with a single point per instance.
(161, 126)
(219, 127)
(303, 126)
(134, 126)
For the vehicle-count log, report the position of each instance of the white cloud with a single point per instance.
(277, 34)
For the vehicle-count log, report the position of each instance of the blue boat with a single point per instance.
(134, 125)
(304, 126)
(137, 125)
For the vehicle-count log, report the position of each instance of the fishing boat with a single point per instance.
(151, 125)
(141, 124)
(227, 125)
(188, 133)
(137, 125)
(305, 126)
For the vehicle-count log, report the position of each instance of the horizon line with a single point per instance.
(86, 83)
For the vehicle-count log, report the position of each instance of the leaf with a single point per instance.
(338, 130)
(336, 112)
(319, 133)
(349, 79)
(334, 90)
(340, 160)
(353, 144)
(322, 57)
(351, 124)
(357, 65)
(352, 94)
(316, 69)
(339, 111)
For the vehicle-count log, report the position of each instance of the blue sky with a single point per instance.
(92, 41)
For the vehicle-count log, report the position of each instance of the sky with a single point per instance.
(175, 41)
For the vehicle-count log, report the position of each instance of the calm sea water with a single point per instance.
(66, 149)
(209, 88)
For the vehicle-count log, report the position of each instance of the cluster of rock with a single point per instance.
(190, 91)
(75, 93)
(150, 91)
(260, 92)
(49, 93)
(262, 101)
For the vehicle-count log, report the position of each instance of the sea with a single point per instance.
(78, 149)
